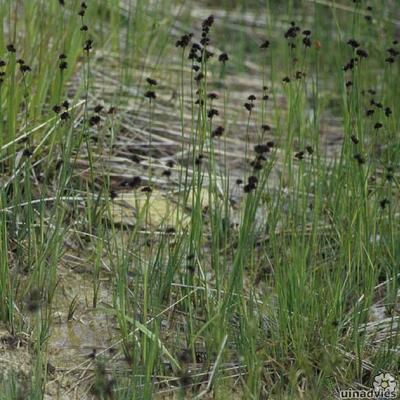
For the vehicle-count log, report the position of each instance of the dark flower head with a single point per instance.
(310, 150)
(362, 53)
(11, 48)
(270, 144)
(383, 203)
(88, 45)
(147, 189)
(150, 94)
(369, 112)
(94, 120)
(63, 65)
(151, 81)
(286, 79)
(306, 32)
(251, 97)
(261, 148)
(249, 188)
(393, 52)
(98, 109)
(265, 45)
(252, 180)
(217, 132)
(223, 57)
(207, 23)
(353, 43)
(359, 158)
(249, 106)
(388, 111)
(66, 104)
(57, 109)
(135, 182)
(265, 128)
(199, 160)
(212, 113)
(378, 125)
(2, 64)
(205, 41)
(84, 28)
(184, 40)
(354, 139)
(212, 96)
(307, 41)
(291, 33)
(199, 77)
(64, 116)
(25, 68)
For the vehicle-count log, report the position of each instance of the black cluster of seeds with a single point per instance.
(147, 189)
(88, 45)
(383, 203)
(218, 132)
(300, 154)
(361, 53)
(199, 160)
(206, 26)
(82, 10)
(261, 151)
(389, 174)
(11, 48)
(23, 67)
(373, 104)
(151, 94)
(368, 16)
(2, 73)
(132, 183)
(62, 64)
(359, 158)
(250, 104)
(392, 53)
(62, 110)
(212, 112)
(292, 33)
(223, 58)
(251, 185)
(354, 139)
(265, 96)
(96, 119)
(184, 40)
(307, 38)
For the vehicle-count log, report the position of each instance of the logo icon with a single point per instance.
(385, 383)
